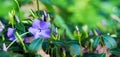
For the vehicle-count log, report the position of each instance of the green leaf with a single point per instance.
(20, 27)
(95, 55)
(96, 42)
(35, 45)
(20, 40)
(9, 54)
(109, 41)
(75, 49)
(115, 51)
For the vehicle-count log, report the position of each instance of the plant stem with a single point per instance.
(38, 9)
(21, 41)
(17, 5)
(11, 43)
(79, 39)
(3, 38)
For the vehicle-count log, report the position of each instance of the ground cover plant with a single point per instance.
(59, 28)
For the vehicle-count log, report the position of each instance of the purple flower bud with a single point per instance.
(4, 47)
(17, 19)
(77, 29)
(98, 31)
(45, 14)
(91, 33)
(56, 31)
(104, 22)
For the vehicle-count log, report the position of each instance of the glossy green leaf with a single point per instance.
(95, 55)
(74, 49)
(20, 27)
(35, 45)
(9, 54)
(109, 41)
(96, 42)
(115, 51)
(20, 40)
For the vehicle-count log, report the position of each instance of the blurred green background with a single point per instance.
(102, 14)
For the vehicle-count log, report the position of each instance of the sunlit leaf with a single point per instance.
(96, 42)
(95, 55)
(109, 41)
(75, 50)
(35, 45)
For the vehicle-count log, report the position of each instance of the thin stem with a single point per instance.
(79, 39)
(3, 38)
(31, 11)
(37, 1)
(16, 40)
(11, 43)
(21, 41)
(17, 4)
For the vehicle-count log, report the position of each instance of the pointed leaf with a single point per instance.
(35, 45)
(75, 49)
(115, 51)
(96, 42)
(109, 41)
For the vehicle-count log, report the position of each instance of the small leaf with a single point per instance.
(20, 40)
(9, 54)
(96, 42)
(109, 41)
(95, 55)
(115, 51)
(75, 50)
(20, 27)
(35, 45)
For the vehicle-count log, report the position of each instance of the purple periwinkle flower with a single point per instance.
(10, 34)
(40, 29)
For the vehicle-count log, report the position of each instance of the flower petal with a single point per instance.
(45, 33)
(10, 32)
(37, 35)
(36, 23)
(44, 25)
(12, 38)
(1, 29)
(33, 30)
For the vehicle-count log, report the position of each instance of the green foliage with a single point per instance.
(74, 49)
(96, 42)
(115, 51)
(7, 6)
(20, 27)
(9, 54)
(35, 45)
(95, 55)
(109, 41)
(64, 15)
